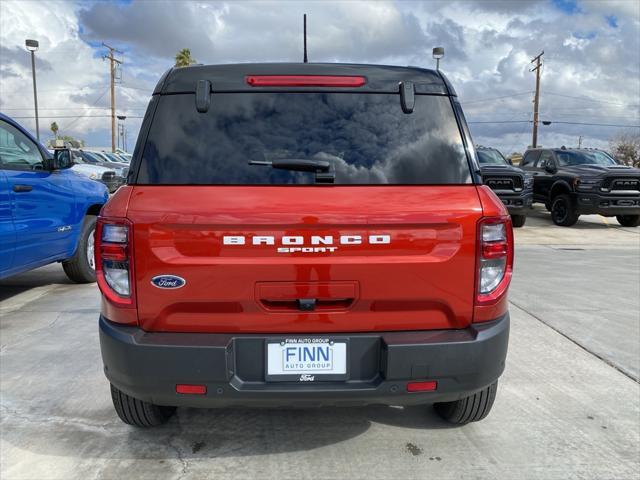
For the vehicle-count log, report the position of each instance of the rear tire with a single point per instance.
(138, 412)
(628, 220)
(563, 212)
(81, 267)
(518, 220)
(469, 409)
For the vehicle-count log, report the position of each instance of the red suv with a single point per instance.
(303, 235)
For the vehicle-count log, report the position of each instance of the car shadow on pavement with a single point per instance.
(49, 275)
(210, 433)
(538, 216)
(249, 432)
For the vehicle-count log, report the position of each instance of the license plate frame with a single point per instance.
(305, 375)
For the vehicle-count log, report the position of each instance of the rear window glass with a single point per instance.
(570, 158)
(366, 138)
(530, 158)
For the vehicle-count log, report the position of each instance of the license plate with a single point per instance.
(306, 359)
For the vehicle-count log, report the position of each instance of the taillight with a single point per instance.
(114, 261)
(495, 259)
(305, 81)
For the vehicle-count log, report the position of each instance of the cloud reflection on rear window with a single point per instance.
(367, 138)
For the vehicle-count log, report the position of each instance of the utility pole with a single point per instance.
(536, 101)
(112, 70)
(580, 141)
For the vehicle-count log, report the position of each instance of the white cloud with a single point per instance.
(71, 75)
(591, 54)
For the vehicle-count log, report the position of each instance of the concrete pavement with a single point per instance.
(567, 406)
(593, 230)
(591, 296)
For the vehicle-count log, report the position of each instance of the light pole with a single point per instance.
(123, 132)
(32, 46)
(438, 53)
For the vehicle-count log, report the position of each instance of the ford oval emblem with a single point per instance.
(168, 281)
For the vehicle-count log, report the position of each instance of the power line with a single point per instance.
(138, 88)
(587, 99)
(503, 121)
(77, 89)
(76, 117)
(519, 135)
(599, 124)
(93, 104)
(498, 98)
(52, 108)
(550, 122)
(71, 108)
(578, 109)
(589, 117)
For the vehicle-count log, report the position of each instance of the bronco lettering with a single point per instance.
(299, 240)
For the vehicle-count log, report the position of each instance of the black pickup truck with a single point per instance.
(571, 182)
(512, 185)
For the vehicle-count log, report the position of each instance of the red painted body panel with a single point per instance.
(423, 279)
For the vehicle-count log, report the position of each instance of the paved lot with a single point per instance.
(583, 282)
(592, 230)
(568, 405)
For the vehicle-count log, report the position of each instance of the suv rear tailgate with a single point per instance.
(401, 257)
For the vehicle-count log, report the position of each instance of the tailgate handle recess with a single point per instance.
(295, 297)
(307, 304)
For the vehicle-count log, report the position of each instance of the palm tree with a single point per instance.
(54, 129)
(184, 59)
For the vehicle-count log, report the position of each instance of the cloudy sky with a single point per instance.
(591, 72)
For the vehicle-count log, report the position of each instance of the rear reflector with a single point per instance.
(421, 386)
(191, 389)
(304, 81)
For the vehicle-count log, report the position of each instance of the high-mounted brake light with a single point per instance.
(495, 258)
(305, 81)
(114, 261)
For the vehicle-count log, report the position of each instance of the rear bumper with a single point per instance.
(607, 205)
(149, 365)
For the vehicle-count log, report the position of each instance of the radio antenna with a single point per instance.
(304, 23)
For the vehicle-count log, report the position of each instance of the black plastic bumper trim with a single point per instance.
(607, 205)
(148, 365)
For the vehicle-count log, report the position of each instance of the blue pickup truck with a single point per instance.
(47, 211)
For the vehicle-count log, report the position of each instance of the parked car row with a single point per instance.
(512, 185)
(108, 168)
(115, 170)
(47, 208)
(569, 181)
